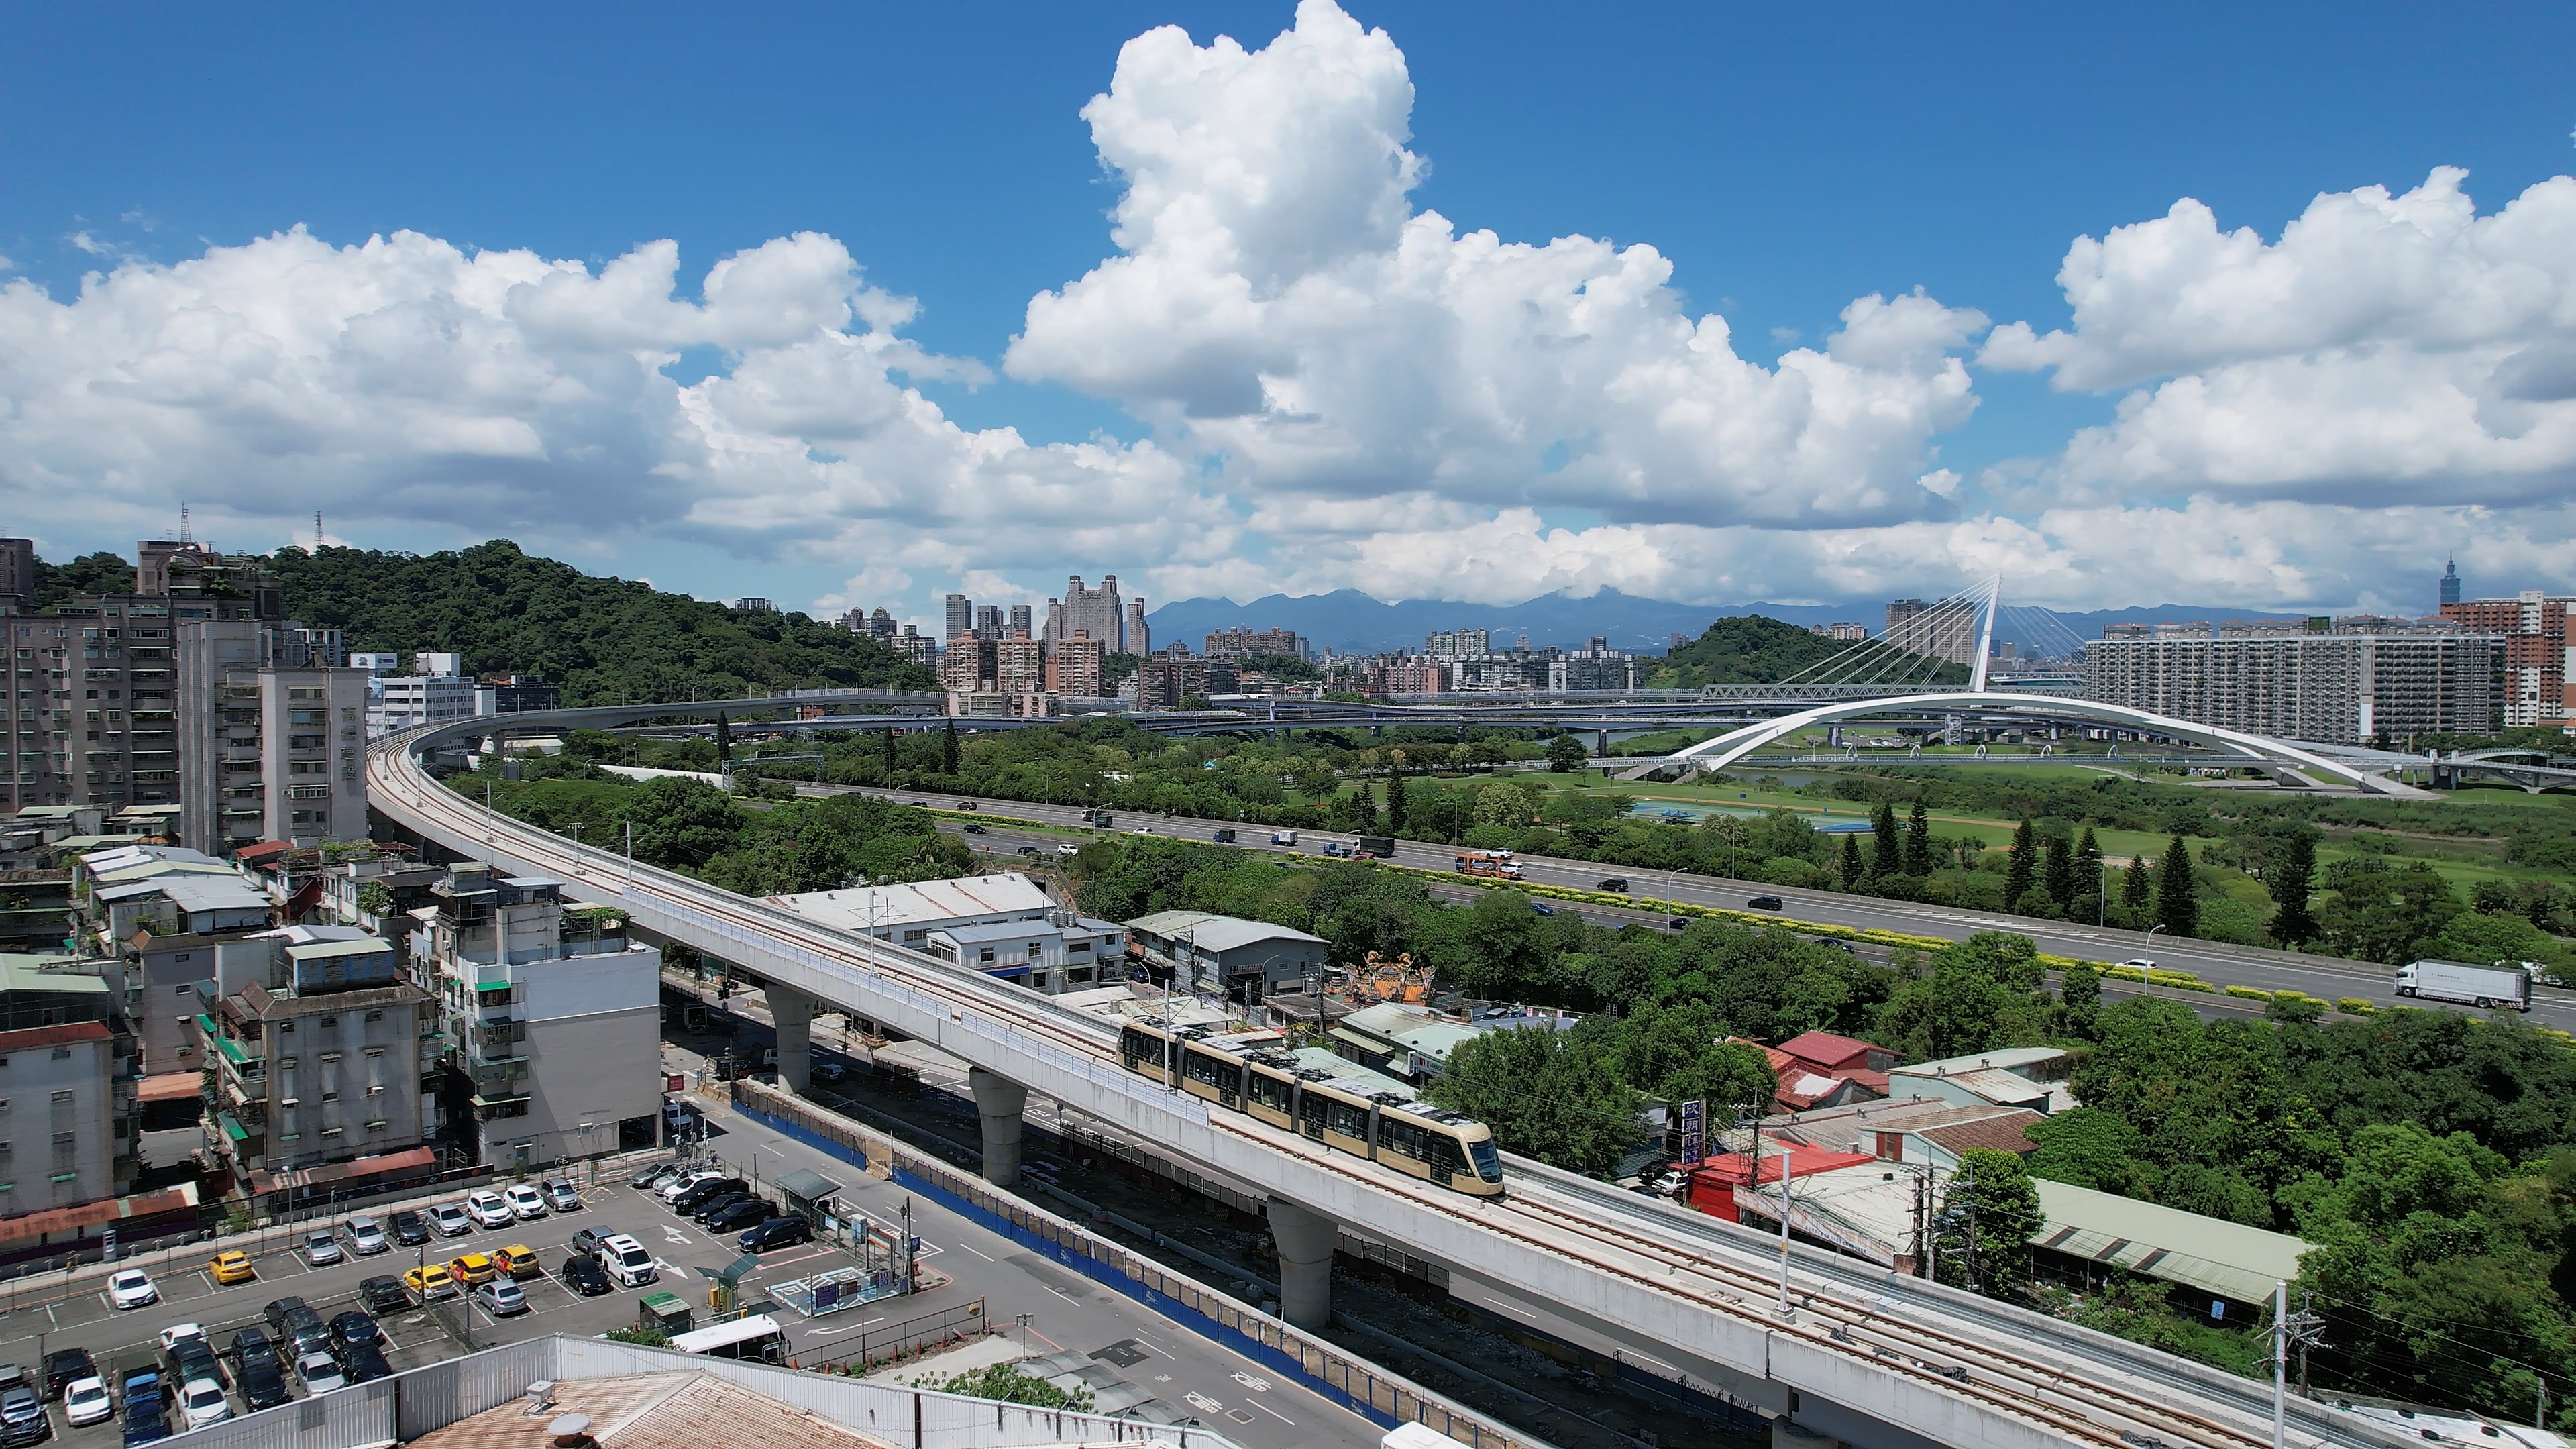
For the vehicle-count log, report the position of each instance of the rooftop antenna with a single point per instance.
(184, 535)
(317, 530)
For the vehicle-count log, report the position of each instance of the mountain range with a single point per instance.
(1347, 621)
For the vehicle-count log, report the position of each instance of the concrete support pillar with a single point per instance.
(999, 1101)
(1305, 1240)
(793, 1013)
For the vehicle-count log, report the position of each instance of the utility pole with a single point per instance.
(2280, 1363)
(1787, 1148)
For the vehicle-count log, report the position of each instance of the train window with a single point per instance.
(1311, 1114)
(1489, 1163)
(1402, 1138)
(1265, 1090)
(1137, 1047)
(1214, 1071)
(1447, 1159)
(1347, 1119)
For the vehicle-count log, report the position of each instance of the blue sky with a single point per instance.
(1784, 165)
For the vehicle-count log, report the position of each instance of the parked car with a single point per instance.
(587, 1241)
(430, 1282)
(322, 1248)
(473, 1269)
(251, 1344)
(671, 1187)
(560, 1195)
(23, 1419)
(365, 1361)
(64, 1365)
(366, 1236)
(740, 1214)
(355, 1327)
(1765, 903)
(451, 1219)
(517, 1261)
(147, 1420)
(706, 1192)
(721, 1202)
(409, 1228)
(262, 1384)
(490, 1209)
(384, 1293)
(775, 1233)
(86, 1401)
(654, 1175)
(300, 1326)
(320, 1372)
(231, 1266)
(526, 1203)
(131, 1288)
(179, 1333)
(201, 1402)
(501, 1298)
(627, 1261)
(583, 1275)
(1614, 883)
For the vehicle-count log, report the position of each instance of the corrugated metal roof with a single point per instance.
(2000, 1059)
(885, 907)
(1217, 933)
(326, 950)
(2228, 1260)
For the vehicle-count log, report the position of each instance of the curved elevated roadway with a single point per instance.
(1860, 1354)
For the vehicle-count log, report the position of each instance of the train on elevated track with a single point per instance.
(1249, 1072)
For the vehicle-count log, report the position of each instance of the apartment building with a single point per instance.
(1403, 674)
(68, 1113)
(266, 753)
(1167, 679)
(1459, 644)
(1257, 644)
(1019, 664)
(2533, 628)
(552, 1018)
(1941, 631)
(1597, 667)
(968, 664)
(1078, 665)
(2302, 682)
(407, 701)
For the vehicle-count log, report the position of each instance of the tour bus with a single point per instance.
(755, 1336)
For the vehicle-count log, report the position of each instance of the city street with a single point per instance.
(1060, 1309)
(2214, 962)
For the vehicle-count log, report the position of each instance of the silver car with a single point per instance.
(320, 1373)
(366, 1236)
(322, 1247)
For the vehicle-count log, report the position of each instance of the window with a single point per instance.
(915, 938)
(286, 1029)
(985, 954)
(183, 989)
(62, 1099)
(1035, 950)
(62, 1054)
(375, 1016)
(330, 1023)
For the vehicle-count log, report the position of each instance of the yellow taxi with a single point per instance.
(430, 1283)
(231, 1267)
(473, 1269)
(517, 1261)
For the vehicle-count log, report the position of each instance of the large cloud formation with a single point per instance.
(1340, 389)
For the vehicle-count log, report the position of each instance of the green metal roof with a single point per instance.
(233, 1052)
(2227, 1260)
(232, 1127)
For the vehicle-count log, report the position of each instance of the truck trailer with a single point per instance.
(2457, 981)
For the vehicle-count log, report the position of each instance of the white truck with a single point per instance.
(2479, 986)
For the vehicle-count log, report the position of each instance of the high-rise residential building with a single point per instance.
(960, 617)
(1459, 644)
(184, 569)
(916, 646)
(1018, 621)
(753, 605)
(551, 1018)
(1943, 633)
(1138, 638)
(1096, 612)
(2450, 582)
(1078, 666)
(966, 667)
(2534, 628)
(1257, 644)
(1597, 667)
(988, 621)
(1019, 664)
(2302, 682)
(265, 753)
(881, 626)
(17, 575)
(1852, 631)
(1404, 674)
(300, 646)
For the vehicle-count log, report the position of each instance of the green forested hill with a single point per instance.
(1750, 649)
(601, 639)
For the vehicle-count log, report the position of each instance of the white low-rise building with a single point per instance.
(1004, 925)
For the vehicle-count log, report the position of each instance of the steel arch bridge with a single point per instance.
(2234, 746)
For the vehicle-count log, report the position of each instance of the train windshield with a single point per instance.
(1489, 1163)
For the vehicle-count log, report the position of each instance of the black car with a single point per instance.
(409, 1228)
(64, 1365)
(298, 1326)
(1614, 883)
(276, 1312)
(194, 1358)
(974, 829)
(365, 1361)
(775, 1233)
(1681, 923)
(252, 1345)
(262, 1384)
(721, 1202)
(583, 1275)
(1765, 903)
(348, 1330)
(739, 1215)
(384, 1293)
(706, 1192)
(1031, 850)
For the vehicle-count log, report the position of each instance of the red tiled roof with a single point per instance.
(265, 850)
(2001, 1133)
(33, 1226)
(38, 1036)
(376, 1166)
(170, 1087)
(1825, 1049)
(1804, 1161)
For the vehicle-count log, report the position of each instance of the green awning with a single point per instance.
(233, 1127)
(206, 1024)
(233, 1052)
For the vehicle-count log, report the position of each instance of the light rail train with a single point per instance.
(1248, 1074)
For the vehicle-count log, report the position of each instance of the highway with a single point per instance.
(1856, 1353)
(2216, 962)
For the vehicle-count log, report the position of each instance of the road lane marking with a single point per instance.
(1274, 1413)
(970, 1248)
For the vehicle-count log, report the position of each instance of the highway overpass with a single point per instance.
(1836, 1346)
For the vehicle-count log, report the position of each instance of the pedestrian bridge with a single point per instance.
(1826, 1345)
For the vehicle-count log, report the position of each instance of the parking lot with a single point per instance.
(38, 1321)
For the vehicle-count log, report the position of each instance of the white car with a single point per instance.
(670, 1191)
(1068, 848)
(2139, 963)
(202, 1401)
(131, 1288)
(490, 1209)
(626, 1261)
(86, 1401)
(179, 1333)
(451, 1220)
(366, 1236)
(320, 1373)
(526, 1203)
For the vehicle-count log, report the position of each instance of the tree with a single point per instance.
(1886, 847)
(1847, 863)
(1566, 754)
(2177, 902)
(1985, 1224)
(1397, 807)
(1918, 841)
(2088, 1147)
(2138, 890)
(2289, 882)
(2024, 868)
(724, 737)
(2057, 871)
(681, 823)
(888, 758)
(2380, 914)
(1977, 996)
(1553, 1095)
(2079, 988)
(948, 748)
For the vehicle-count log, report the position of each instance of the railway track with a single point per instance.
(2099, 1398)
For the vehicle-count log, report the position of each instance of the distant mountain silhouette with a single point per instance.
(1350, 622)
